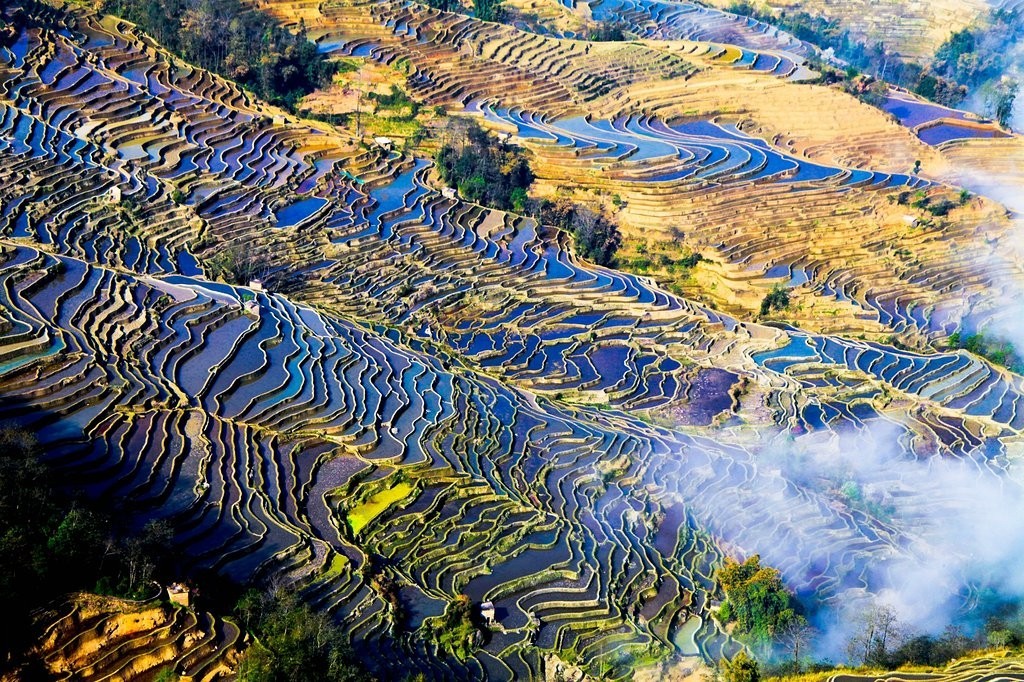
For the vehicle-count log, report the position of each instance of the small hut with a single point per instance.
(114, 195)
(179, 593)
(487, 612)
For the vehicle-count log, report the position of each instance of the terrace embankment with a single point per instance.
(454, 59)
(335, 375)
(816, 122)
(911, 29)
(831, 232)
(91, 637)
(997, 664)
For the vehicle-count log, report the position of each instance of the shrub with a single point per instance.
(776, 299)
(941, 208)
(742, 668)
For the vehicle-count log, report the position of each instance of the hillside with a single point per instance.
(93, 638)
(913, 29)
(286, 331)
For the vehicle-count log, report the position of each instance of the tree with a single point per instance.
(294, 642)
(488, 10)
(795, 637)
(1000, 99)
(596, 237)
(482, 168)
(879, 630)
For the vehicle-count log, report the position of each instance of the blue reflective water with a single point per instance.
(295, 213)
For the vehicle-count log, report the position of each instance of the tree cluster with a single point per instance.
(757, 601)
(595, 237)
(979, 57)
(993, 349)
(741, 668)
(444, 5)
(50, 545)
(235, 41)
(293, 643)
(881, 640)
(608, 31)
(975, 59)
(29, 14)
(484, 10)
(488, 10)
(236, 264)
(483, 169)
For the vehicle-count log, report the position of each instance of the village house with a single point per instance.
(180, 594)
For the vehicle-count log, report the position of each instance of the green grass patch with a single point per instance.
(359, 516)
(336, 567)
(390, 127)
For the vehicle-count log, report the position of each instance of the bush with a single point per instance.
(941, 208)
(776, 299)
(742, 668)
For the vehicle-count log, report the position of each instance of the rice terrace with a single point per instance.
(512, 340)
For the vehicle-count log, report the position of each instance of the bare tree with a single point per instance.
(795, 638)
(880, 630)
